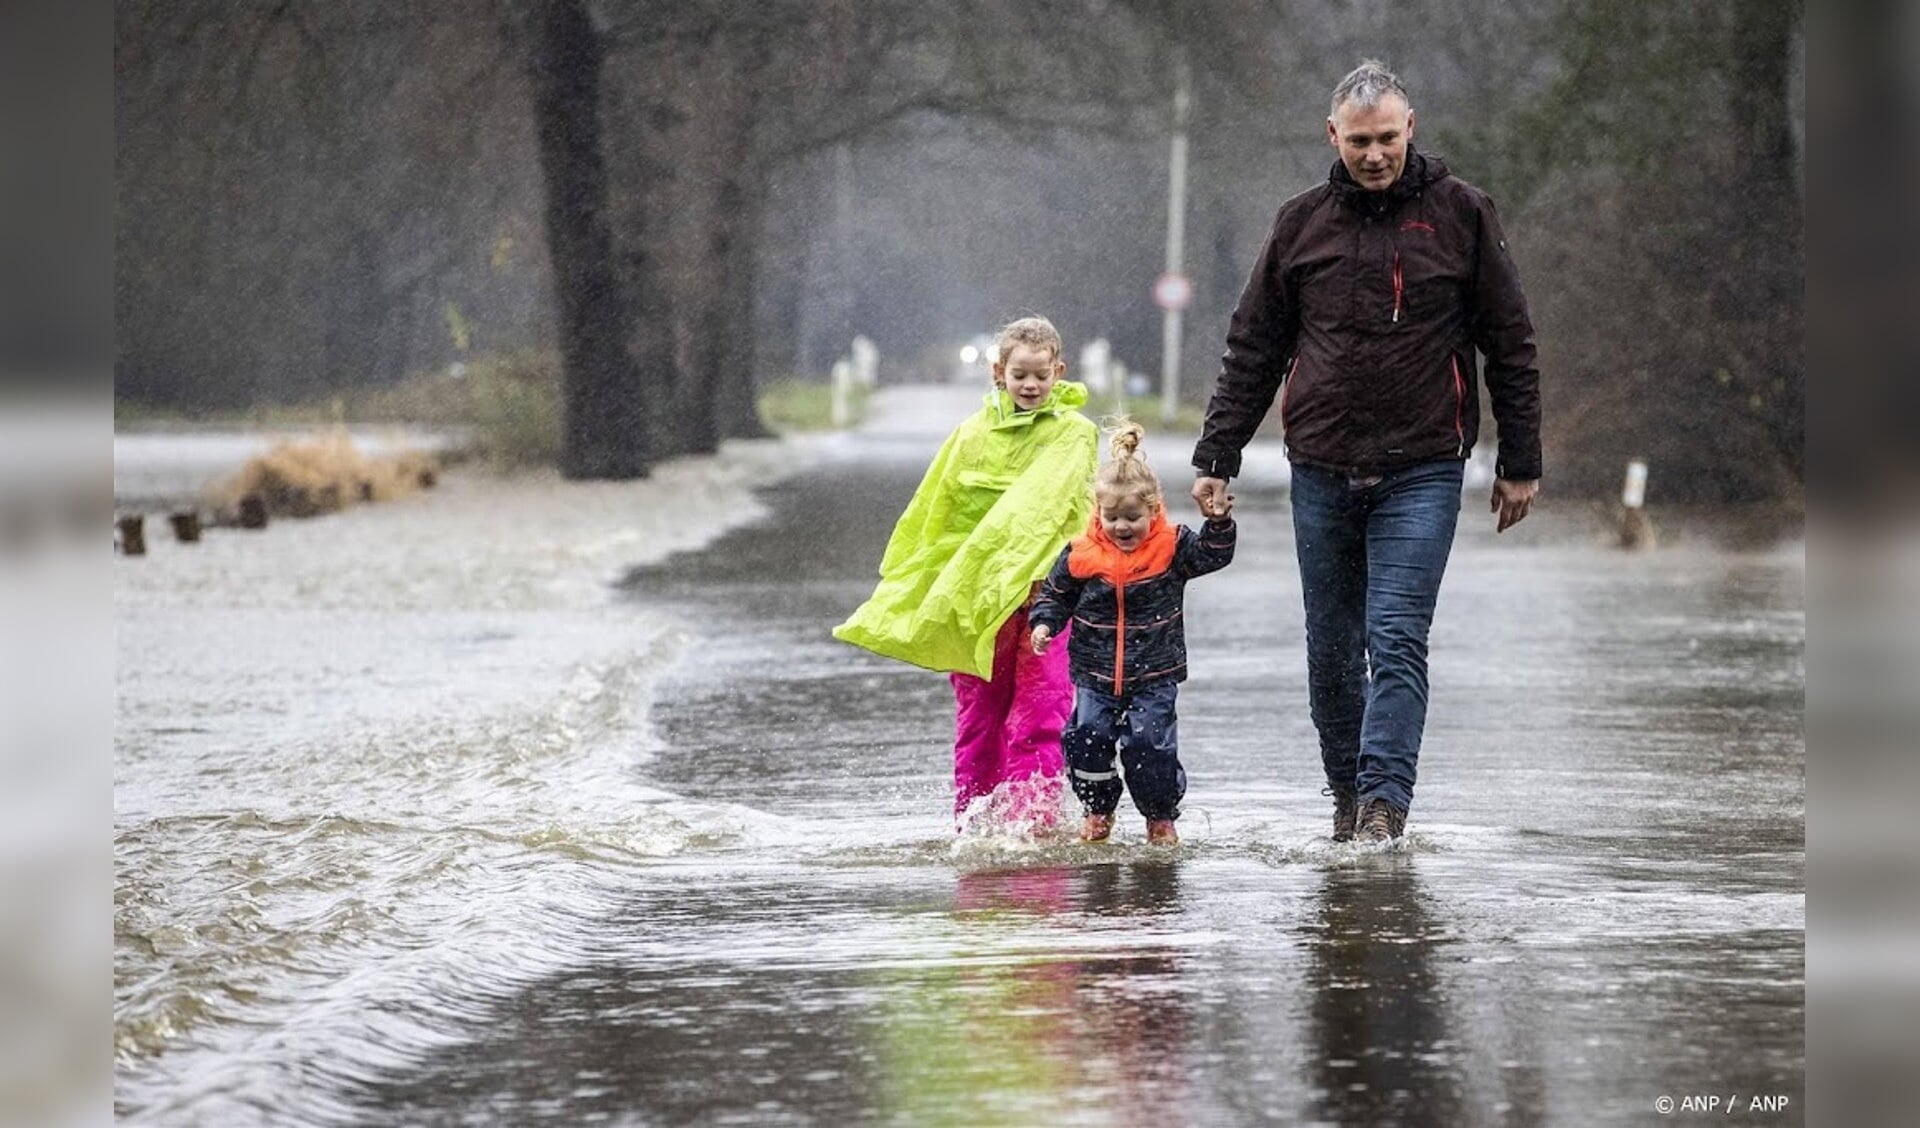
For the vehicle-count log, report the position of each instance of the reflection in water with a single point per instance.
(1377, 1016)
(1011, 1035)
(1134, 1009)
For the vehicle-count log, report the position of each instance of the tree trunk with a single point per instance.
(739, 195)
(605, 434)
(1769, 217)
(736, 386)
(718, 111)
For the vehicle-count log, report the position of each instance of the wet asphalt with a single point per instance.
(1601, 901)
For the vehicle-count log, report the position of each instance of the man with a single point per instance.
(1363, 314)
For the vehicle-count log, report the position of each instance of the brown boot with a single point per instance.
(1346, 812)
(1381, 821)
(1096, 828)
(1160, 832)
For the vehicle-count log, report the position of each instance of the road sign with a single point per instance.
(1172, 291)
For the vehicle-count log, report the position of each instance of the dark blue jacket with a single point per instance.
(1129, 625)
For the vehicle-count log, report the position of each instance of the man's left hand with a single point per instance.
(1513, 501)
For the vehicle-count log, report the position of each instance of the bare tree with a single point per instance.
(1665, 214)
(298, 201)
(606, 428)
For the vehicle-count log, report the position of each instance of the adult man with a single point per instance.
(1363, 313)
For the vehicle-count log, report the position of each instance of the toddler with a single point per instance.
(1120, 585)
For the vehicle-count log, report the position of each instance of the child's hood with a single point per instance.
(1067, 395)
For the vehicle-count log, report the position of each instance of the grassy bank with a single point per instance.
(789, 406)
(507, 409)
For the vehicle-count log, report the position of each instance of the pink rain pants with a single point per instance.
(1008, 729)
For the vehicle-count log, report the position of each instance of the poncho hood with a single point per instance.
(1067, 395)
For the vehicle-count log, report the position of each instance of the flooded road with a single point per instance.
(562, 825)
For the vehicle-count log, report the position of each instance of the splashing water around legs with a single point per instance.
(1019, 808)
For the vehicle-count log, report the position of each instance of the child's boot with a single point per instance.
(1096, 828)
(1160, 832)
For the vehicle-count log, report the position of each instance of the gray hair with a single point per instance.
(1366, 84)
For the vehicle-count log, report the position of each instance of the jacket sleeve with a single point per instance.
(1207, 550)
(1059, 596)
(1503, 332)
(1260, 337)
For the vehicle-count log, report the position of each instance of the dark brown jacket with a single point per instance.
(1367, 307)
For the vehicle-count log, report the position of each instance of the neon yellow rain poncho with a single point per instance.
(1006, 491)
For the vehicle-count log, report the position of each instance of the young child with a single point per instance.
(1121, 584)
(1005, 492)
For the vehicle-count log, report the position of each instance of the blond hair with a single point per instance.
(1127, 474)
(1035, 331)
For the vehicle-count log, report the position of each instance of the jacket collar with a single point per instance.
(1094, 554)
(1067, 395)
(1422, 169)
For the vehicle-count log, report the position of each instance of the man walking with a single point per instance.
(1363, 314)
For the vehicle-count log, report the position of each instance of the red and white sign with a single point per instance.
(1172, 291)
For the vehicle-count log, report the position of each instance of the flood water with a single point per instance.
(532, 802)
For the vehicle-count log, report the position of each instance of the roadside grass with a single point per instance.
(791, 405)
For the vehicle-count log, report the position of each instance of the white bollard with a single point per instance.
(842, 386)
(1636, 531)
(1633, 494)
(1095, 356)
(866, 362)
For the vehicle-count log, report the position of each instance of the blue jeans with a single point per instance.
(1143, 729)
(1371, 557)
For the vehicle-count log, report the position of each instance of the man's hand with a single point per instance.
(1042, 636)
(1513, 501)
(1211, 494)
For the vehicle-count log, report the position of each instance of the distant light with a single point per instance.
(969, 354)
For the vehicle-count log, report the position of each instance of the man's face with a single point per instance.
(1028, 374)
(1372, 140)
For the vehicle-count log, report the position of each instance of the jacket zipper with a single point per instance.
(1286, 393)
(1397, 287)
(1119, 633)
(1459, 406)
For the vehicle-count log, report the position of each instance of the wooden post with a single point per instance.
(131, 534)
(253, 512)
(186, 525)
(1636, 531)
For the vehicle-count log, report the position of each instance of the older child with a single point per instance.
(1121, 583)
(1004, 493)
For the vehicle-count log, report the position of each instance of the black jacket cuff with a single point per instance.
(1216, 465)
(1517, 471)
